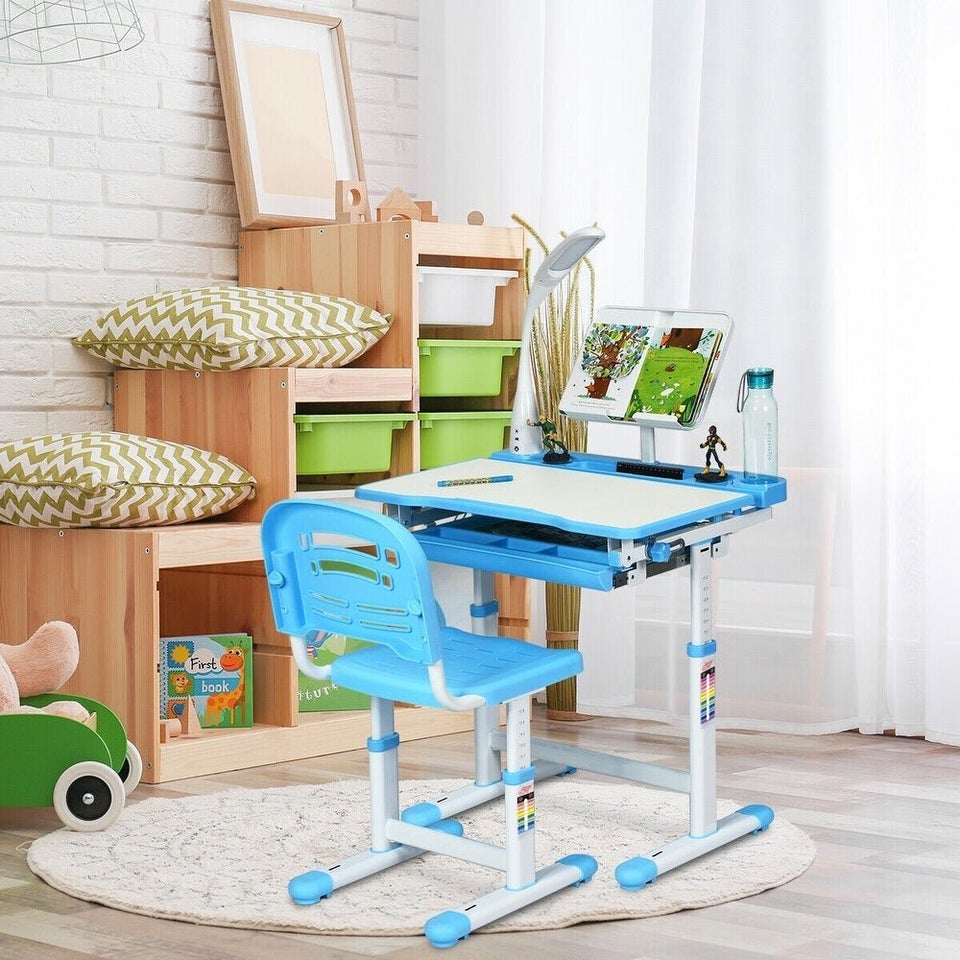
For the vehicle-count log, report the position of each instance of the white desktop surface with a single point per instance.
(611, 505)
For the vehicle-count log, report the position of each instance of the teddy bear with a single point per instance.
(41, 664)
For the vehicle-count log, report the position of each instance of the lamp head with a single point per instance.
(566, 255)
(524, 437)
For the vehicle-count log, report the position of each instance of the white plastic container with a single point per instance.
(459, 296)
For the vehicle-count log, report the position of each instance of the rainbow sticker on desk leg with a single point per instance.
(708, 693)
(526, 808)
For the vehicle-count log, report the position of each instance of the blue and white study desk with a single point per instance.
(599, 523)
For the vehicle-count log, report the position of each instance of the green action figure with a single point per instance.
(557, 451)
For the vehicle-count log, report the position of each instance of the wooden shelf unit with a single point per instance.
(247, 415)
(124, 589)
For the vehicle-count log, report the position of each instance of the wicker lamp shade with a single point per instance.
(65, 31)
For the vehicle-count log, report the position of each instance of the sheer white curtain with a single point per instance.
(795, 164)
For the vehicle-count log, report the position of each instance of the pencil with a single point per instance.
(502, 478)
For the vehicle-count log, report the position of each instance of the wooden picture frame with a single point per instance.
(288, 105)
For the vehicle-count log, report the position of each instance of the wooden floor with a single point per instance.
(884, 812)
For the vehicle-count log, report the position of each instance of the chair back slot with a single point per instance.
(338, 569)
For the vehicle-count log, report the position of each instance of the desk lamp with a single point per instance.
(525, 439)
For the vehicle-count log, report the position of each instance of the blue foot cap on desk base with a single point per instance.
(447, 929)
(453, 827)
(422, 814)
(636, 873)
(585, 864)
(309, 888)
(761, 813)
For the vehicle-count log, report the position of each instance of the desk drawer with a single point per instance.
(525, 550)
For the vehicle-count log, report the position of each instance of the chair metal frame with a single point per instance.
(333, 568)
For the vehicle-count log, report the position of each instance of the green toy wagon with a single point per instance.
(86, 772)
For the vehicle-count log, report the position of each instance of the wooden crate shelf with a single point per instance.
(124, 589)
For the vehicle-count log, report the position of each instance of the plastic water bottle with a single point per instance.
(759, 408)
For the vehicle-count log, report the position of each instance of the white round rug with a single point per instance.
(224, 859)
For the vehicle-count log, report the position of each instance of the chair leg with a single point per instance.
(315, 885)
(486, 759)
(384, 772)
(519, 798)
(488, 743)
(524, 884)
(487, 783)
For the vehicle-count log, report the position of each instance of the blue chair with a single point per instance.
(338, 569)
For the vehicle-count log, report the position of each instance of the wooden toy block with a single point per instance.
(398, 206)
(353, 204)
(427, 212)
(169, 729)
(190, 721)
(475, 218)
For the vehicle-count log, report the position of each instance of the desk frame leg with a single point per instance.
(699, 782)
(702, 689)
(706, 832)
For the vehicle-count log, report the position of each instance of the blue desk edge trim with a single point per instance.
(763, 494)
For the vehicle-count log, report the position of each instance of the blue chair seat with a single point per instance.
(495, 668)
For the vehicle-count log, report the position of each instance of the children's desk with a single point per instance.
(599, 523)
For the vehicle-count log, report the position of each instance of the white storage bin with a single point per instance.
(459, 296)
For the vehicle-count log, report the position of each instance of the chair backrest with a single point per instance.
(338, 569)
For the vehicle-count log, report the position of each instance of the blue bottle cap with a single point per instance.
(760, 378)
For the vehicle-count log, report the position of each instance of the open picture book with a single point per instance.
(649, 367)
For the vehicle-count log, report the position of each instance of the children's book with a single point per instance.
(648, 367)
(316, 695)
(215, 672)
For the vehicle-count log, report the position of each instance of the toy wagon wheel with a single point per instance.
(89, 796)
(132, 769)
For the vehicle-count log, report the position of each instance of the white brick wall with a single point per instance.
(115, 181)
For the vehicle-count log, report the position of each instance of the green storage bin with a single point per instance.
(463, 368)
(346, 443)
(453, 437)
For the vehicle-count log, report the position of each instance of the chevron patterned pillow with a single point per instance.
(229, 328)
(114, 480)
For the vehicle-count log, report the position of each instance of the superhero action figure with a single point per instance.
(710, 443)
